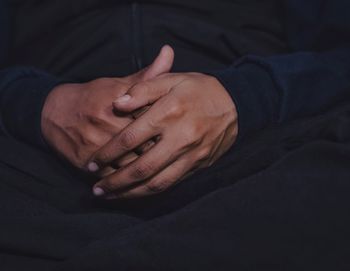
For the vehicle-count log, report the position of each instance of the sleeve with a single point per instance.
(23, 92)
(312, 78)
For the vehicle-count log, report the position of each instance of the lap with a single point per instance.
(281, 194)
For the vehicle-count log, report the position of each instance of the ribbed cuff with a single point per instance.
(23, 94)
(254, 94)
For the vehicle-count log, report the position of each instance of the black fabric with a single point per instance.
(288, 52)
(23, 94)
(87, 39)
(279, 201)
(77, 41)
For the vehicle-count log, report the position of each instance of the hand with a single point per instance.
(78, 119)
(192, 116)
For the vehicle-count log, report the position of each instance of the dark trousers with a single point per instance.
(277, 201)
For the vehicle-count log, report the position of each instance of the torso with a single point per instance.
(114, 38)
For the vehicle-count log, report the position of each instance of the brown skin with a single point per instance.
(195, 121)
(78, 119)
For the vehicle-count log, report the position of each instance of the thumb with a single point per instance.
(163, 63)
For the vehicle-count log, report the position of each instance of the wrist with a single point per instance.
(54, 108)
(24, 92)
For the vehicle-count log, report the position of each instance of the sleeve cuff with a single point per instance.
(24, 92)
(254, 94)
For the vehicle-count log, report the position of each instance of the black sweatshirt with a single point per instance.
(268, 86)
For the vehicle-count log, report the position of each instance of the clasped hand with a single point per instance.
(184, 122)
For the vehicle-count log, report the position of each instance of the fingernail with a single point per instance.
(93, 167)
(123, 99)
(98, 192)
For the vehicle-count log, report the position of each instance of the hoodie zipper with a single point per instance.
(136, 36)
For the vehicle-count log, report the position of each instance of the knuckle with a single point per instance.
(142, 88)
(203, 154)
(192, 136)
(104, 157)
(97, 117)
(191, 133)
(91, 141)
(174, 109)
(106, 154)
(127, 140)
(198, 128)
(142, 171)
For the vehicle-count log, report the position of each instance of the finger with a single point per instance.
(131, 137)
(140, 112)
(146, 166)
(122, 162)
(106, 172)
(125, 160)
(146, 93)
(163, 181)
(145, 147)
(163, 63)
(149, 144)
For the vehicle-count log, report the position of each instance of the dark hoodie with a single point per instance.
(291, 59)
